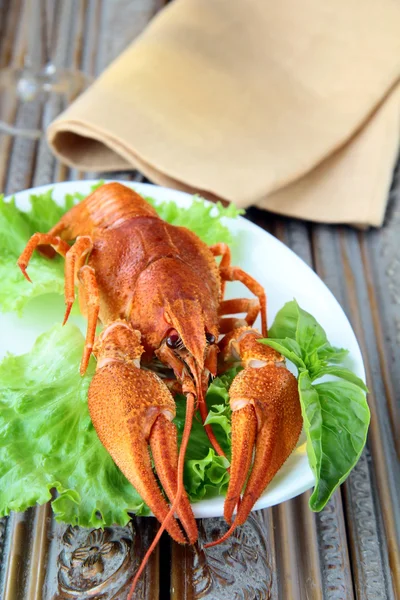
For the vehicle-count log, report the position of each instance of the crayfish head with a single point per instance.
(190, 345)
(178, 318)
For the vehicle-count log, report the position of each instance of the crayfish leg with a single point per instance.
(37, 240)
(74, 260)
(249, 306)
(89, 287)
(237, 274)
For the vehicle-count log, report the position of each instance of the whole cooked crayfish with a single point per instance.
(158, 292)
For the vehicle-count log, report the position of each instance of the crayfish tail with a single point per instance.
(108, 206)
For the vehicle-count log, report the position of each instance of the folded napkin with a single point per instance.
(293, 107)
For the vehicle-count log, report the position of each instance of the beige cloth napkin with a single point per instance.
(291, 106)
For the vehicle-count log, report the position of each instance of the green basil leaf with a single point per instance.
(309, 334)
(341, 372)
(285, 322)
(331, 354)
(335, 412)
(295, 323)
(288, 348)
(313, 363)
(312, 421)
(336, 418)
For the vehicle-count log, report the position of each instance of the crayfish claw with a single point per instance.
(164, 449)
(130, 409)
(264, 401)
(244, 429)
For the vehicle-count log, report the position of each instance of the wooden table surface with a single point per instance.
(349, 550)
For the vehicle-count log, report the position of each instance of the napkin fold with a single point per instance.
(292, 107)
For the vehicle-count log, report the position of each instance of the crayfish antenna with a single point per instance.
(222, 539)
(209, 430)
(203, 414)
(181, 459)
(226, 535)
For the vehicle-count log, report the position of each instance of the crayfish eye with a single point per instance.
(173, 340)
(210, 338)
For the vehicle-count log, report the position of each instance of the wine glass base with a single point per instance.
(27, 86)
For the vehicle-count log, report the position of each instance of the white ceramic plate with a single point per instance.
(284, 276)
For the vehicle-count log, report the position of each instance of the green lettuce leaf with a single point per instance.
(47, 439)
(335, 413)
(206, 477)
(219, 408)
(16, 227)
(205, 471)
(201, 217)
(16, 292)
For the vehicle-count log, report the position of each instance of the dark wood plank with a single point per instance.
(372, 484)
(380, 253)
(321, 560)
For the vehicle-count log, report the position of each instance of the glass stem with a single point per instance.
(37, 56)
